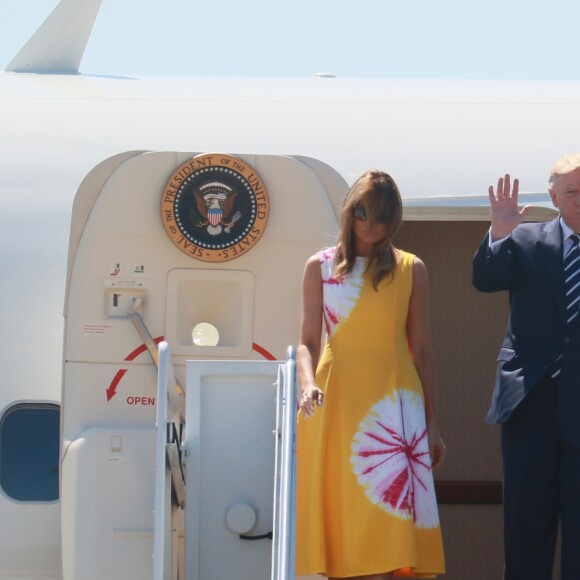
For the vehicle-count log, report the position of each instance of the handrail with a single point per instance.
(284, 544)
(169, 476)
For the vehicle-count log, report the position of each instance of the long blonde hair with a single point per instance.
(381, 198)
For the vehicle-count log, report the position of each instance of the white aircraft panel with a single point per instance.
(231, 416)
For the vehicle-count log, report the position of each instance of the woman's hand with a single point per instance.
(310, 395)
(437, 448)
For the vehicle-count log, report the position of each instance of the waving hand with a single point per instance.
(505, 212)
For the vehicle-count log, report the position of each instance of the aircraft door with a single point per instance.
(182, 240)
(229, 446)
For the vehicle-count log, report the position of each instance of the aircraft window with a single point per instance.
(29, 452)
(205, 334)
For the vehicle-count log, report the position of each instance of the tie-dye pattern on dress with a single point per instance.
(366, 498)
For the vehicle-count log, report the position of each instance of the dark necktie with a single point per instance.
(572, 280)
(572, 291)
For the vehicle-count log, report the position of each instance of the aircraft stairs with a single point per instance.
(225, 470)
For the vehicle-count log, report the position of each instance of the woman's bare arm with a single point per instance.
(308, 351)
(419, 341)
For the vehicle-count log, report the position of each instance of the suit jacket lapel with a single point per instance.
(554, 262)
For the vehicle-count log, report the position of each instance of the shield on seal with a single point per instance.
(214, 216)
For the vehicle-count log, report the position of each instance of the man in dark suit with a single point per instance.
(536, 397)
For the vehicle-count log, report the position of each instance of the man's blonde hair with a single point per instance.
(562, 166)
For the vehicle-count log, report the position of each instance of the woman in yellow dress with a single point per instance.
(367, 427)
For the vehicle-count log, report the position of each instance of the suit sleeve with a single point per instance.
(494, 270)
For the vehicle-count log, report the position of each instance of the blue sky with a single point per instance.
(490, 39)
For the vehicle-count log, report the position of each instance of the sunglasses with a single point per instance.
(360, 213)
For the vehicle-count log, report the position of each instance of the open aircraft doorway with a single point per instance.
(170, 241)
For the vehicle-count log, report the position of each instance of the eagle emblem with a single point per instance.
(215, 202)
(214, 207)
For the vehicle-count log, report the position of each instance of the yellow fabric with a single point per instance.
(341, 532)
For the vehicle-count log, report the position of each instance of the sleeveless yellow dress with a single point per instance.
(366, 500)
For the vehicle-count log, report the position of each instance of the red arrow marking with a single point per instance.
(261, 350)
(112, 390)
(141, 349)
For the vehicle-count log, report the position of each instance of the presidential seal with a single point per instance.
(214, 207)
